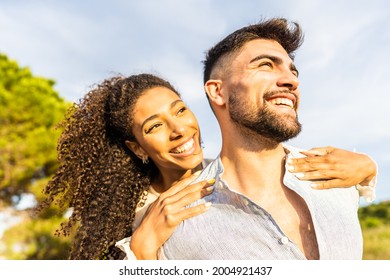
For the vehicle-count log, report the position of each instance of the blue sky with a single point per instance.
(343, 63)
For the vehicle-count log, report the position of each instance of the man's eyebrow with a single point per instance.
(275, 59)
(152, 117)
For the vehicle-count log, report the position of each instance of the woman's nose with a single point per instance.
(178, 130)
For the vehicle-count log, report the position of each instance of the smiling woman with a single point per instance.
(105, 173)
(168, 132)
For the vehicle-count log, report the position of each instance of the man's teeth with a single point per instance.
(282, 101)
(185, 147)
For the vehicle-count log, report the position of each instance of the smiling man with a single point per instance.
(259, 209)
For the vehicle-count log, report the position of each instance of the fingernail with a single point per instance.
(289, 161)
(290, 167)
(209, 189)
(207, 204)
(299, 175)
(197, 172)
(313, 185)
(211, 181)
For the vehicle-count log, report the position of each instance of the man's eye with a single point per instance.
(181, 110)
(295, 72)
(265, 64)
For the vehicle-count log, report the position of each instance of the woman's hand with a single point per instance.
(331, 167)
(166, 213)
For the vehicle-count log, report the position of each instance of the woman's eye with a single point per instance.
(153, 127)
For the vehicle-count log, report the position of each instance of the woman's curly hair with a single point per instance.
(98, 176)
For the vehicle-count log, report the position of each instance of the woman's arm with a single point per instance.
(163, 216)
(331, 167)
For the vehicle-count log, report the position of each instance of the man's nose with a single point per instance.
(289, 80)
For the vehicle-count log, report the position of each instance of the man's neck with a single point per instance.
(253, 168)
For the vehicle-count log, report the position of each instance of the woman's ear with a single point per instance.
(213, 89)
(136, 149)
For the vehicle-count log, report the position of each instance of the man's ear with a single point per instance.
(136, 149)
(213, 89)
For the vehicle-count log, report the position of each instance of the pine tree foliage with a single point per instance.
(30, 109)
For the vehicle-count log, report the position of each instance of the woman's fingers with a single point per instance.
(172, 208)
(311, 163)
(179, 185)
(174, 219)
(322, 151)
(205, 188)
(308, 165)
(316, 175)
(175, 202)
(322, 185)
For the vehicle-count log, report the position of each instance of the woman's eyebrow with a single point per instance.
(157, 115)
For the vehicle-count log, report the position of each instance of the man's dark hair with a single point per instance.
(288, 35)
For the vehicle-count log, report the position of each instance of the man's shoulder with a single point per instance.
(293, 151)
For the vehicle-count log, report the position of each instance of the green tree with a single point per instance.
(30, 109)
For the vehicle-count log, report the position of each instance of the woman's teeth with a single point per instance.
(185, 147)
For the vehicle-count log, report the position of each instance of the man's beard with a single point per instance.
(263, 122)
